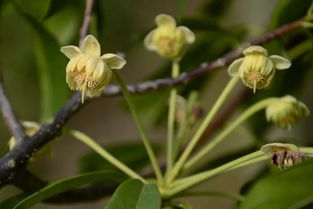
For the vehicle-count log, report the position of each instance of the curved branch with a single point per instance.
(10, 119)
(18, 157)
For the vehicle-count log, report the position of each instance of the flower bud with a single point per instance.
(256, 69)
(87, 71)
(286, 111)
(167, 39)
(30, 129)
(284, 155)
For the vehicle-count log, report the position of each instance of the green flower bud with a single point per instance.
(167, 39)
(87, 71)
(286, 112)
(284, 155)
(256, 69)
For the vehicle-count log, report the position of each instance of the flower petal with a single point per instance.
(98, 73)
(91, 46)
(71, 51)
(72, 63)
(93, 92)
(91, 65)
(190, 36)
(82, 61)
(280, 63)
(234, 67)
(148, 41)
(163, 19)
(113, 61)
(255, 49)
(278, 147)
(71, 81)
(107, 76)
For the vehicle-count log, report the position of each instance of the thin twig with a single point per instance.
(86, 22)
(10, 119)
(21, 153)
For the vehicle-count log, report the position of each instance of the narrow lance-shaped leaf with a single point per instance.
(51, 69)
(67, 184)
(34, 8)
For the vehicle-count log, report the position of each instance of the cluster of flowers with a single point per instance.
(89, 72)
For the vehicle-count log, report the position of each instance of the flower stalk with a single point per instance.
(106, 155)
(171, 119)
(188, 182)
(232, 126)
(178, 166)
(142, 132)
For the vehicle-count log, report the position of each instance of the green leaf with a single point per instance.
(289, 10)
(34, 8)
(133, 155)
(133, 194)
(217, 8)
(57, 6)
(11, 202)
(288, 189)
(51, 69)
(63, 185)
(3, 3)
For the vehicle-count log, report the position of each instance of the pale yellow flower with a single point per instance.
(87, 70)
(256, 69)
(167, 39)
(286, 111)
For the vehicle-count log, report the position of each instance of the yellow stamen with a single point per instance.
(83, 93)
(254, 86)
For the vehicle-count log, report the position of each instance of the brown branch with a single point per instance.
(17, 130)
(184, 78)
(86, 20)
(21, 153)
(9, 117)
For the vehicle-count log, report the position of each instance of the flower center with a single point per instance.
(82, 79)
(287, 120)
(165, 45)
(255, 79)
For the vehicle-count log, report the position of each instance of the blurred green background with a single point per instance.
(33, 70)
